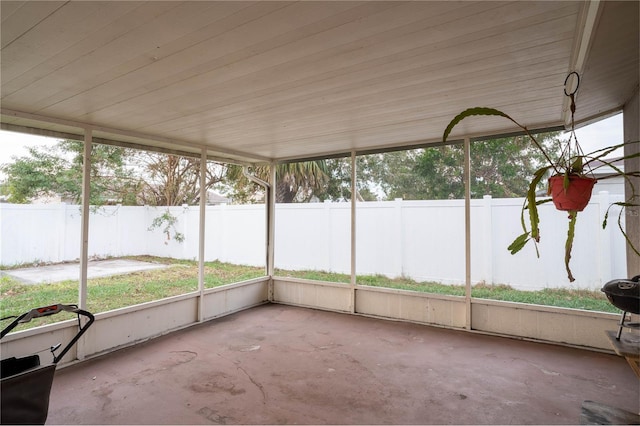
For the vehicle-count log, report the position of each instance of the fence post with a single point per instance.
(185, 230)
(118, 249)
(147, 223)
(329, 234)
(221, 250)
(604, 243)
(486, 244)
(60, 223)
(398, 246)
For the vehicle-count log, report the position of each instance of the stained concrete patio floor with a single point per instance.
(278, 364)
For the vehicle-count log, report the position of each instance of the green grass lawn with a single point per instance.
(104, 294)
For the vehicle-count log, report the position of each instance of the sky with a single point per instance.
(15, 144)
(597, 135)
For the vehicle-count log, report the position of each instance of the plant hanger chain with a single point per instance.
(569, 154)
(572, 95)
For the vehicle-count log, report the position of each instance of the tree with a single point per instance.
(394, 174)
(58, 171)
(499, 167)
(371, 177)
(170, 180)
(118, 175)
(503, 167)
(441, 170)
(295, 182)
(380, 176)
(338, 187)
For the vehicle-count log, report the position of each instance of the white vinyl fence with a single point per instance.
(423, 240)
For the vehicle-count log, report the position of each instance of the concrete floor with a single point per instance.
(71, 270)
(278, 364)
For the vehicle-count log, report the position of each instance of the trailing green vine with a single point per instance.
(167, 222)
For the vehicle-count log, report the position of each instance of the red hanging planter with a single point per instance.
(575, 197)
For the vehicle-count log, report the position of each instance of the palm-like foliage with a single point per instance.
(294, 181)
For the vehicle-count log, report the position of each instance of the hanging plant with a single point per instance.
(570, 185)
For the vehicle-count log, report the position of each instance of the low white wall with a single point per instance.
(225, 300)
(423, 240)
(448, 311)
(541, 323)
(545, 323)
(312, 294)
(127, 326)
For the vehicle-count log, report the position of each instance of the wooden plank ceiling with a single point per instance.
(264, 81)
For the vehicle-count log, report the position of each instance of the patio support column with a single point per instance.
(271, 228)
(201, 239)
(84, 230)
(631, 126)
(467, 230)
(270, 208)
(352, 303)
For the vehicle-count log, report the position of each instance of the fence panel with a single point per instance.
(423, 240)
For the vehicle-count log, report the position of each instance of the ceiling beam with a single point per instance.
(237, 157)
(586, 31)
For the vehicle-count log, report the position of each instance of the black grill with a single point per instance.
(625, 295)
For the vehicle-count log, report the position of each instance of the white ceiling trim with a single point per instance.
(589, 17)
(235, 157)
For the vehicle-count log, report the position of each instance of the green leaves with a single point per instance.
(474, 111)
(534, 219)
(519, 242)
(568, 245)
(570, 162)
(576, 166)
(295, 181)
(57, 170)
(167, 222)
(620, 227)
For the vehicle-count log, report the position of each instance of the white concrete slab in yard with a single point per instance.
(71, 271)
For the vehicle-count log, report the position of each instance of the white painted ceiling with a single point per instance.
(264, 81)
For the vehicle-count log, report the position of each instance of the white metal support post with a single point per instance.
(270, 208)
(84, 231)
(271, 228)
(467, 230)
(631, 128)
(201, 239)
(353, 231)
